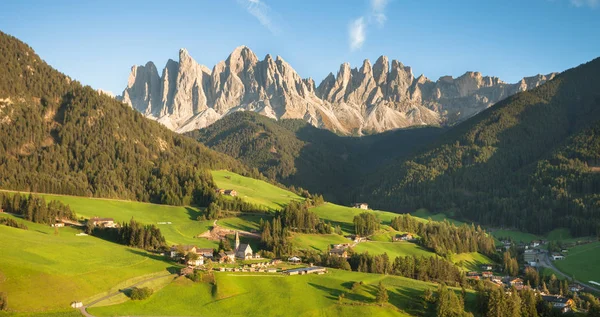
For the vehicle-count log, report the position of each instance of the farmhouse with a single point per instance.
(175, 250)
(487, 274)
(516, 283)
(76, 304)
(206, 253)
(403, 237)
(557, 256)
(487, 267)
(306, 270)
(364, 206)
(103, 222)
(226, 256)
(575, 288)
(535, 243)
(199, 261)
(562, 303)
(242, 250)
(58, 225)
(339, 252)
(294, 259)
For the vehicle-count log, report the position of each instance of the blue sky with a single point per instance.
(97, 42)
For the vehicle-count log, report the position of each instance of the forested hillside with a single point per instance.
(294, 152)
(60, 137)
(530, 162)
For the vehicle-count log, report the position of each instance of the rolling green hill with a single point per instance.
(177, 224)
(44, 271)
(296, 153)
(253, 190)
(529, 162)
(276, 295)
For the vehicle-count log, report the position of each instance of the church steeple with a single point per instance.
(237, 241)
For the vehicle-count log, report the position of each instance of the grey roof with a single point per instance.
(307, 269)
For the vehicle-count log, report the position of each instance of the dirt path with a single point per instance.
(83, 309)
(546, 262)
(217, 233)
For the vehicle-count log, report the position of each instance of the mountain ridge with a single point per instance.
(356, 101)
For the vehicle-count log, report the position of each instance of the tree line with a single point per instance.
(133, 234)
(12, 223)
(34, 208)
(445, 238)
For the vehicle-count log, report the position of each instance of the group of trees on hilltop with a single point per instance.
(34, 208)
(134, 234)
(295, 217)
(445, 238)
(366, 223)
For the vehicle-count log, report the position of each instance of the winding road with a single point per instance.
(83, 309)
(546, 262)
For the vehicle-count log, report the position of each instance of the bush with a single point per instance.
(138, 293)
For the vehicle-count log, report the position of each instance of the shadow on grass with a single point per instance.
(194, 213)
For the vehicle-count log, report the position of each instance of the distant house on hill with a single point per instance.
(403, 237)
(516, 283)
(364, 206)
(76, 304)
(206, 253)
(557, 256)
(294, 259)
(231, 192)
(562, 303)
(185, 249)
(487, 267)
(575, 288)
(339, 252)
(58, 225)
(103, 222)
(199, 261)
(228, 192)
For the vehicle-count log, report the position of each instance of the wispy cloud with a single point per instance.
(357, 30)
(378, 11)
(262, 12)
(585, 3)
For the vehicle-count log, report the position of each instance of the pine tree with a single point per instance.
(382, 294)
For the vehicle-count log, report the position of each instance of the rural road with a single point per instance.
(83, 309)
(546, 262)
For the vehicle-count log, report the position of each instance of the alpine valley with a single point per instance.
(249, 190)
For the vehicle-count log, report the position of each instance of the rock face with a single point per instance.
(372, 98)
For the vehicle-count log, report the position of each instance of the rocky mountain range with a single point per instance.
(373, 98)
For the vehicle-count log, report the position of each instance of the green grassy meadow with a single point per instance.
(244, 222)
(41, 271)
(254, 191)
(393, 249)
(278, 295)
(316, 242)
(582, 262)
(471, 261)
(183, 225)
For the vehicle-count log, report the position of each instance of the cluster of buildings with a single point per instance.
(242, 251)
(103, 222)
(340, 250)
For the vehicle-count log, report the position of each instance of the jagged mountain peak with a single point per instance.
(372, 97)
